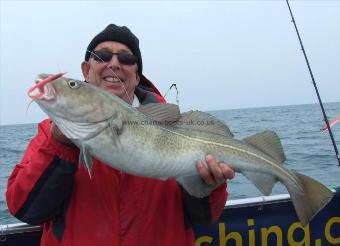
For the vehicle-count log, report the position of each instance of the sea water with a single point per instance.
(308, 151)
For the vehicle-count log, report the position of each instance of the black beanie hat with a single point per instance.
(120, 34)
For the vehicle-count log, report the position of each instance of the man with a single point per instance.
(112, 208)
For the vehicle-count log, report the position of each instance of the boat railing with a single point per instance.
(17, 228)
(237, 203)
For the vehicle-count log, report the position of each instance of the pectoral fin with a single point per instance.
(116, 127)
(86, 158)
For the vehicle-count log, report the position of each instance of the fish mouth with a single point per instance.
(43, 89)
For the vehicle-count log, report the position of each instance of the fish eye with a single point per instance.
(73, 84)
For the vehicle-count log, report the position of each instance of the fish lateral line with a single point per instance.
(285, 171)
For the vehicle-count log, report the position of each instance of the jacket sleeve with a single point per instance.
(42, 182)
(204, 210)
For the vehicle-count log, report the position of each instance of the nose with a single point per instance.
(114, 62)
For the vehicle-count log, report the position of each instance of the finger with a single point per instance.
(56, 132)
(215, 169)
(59, 136)
(204, 172)
(227, 171)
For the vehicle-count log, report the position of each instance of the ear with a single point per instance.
(137, 79)
(85, 68)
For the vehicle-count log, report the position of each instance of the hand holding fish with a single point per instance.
(59, 136)
(214, 173)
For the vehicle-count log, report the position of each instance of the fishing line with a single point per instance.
(315, 87)
(113, 72)
(177, 92)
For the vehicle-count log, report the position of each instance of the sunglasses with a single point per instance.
(106, 56)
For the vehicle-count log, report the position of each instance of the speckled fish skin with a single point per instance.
(104, 126)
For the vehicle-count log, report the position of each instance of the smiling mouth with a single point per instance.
(113, 79)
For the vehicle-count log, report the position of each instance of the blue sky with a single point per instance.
(221, 54)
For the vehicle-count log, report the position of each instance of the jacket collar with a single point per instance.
(147, 92)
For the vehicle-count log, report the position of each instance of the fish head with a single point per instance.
(70, 99)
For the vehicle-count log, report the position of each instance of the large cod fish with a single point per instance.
(156, 141)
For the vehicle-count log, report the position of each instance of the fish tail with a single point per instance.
(314, 197)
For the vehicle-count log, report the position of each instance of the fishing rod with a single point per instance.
(315, 87)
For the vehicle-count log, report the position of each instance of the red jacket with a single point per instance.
(112, 208)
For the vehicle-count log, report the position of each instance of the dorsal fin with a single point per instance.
(268, 142)
(201, 121)
(161, 112)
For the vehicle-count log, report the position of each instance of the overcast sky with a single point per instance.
(221, 54)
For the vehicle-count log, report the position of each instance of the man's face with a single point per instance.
(104, 74)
